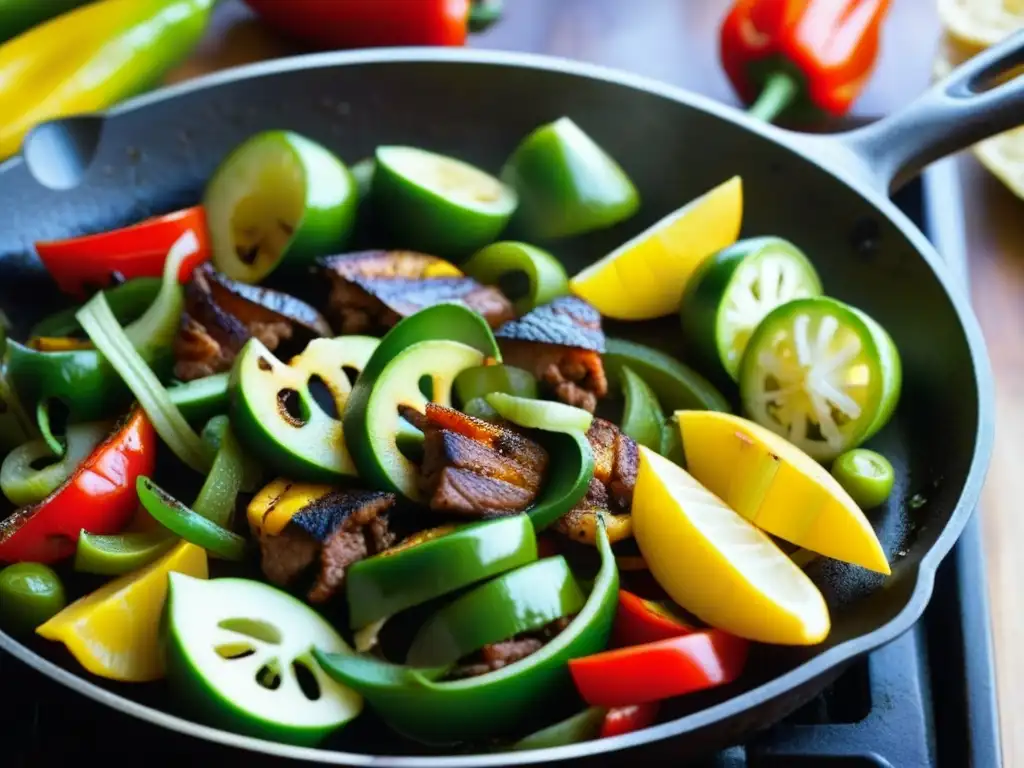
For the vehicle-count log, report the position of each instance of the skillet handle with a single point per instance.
(967, 106)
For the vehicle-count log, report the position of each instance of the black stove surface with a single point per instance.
(927, 699)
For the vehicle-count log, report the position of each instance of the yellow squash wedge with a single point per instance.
(777, 487)
(646, 277)
(114, 632)
(718, 566)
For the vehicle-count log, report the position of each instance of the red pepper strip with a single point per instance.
(636, 717)
(640, 621)
(773, 50)
(82, 264)
(655, 671)
(367, 23)
(99, 497)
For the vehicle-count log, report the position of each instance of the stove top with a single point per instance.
(927, 699)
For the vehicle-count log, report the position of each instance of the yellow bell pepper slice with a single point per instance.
(114, 632)
(778, 487)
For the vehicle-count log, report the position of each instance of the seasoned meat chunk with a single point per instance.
(610, 494)
(494, 656)
(333, 531)
(222, 315)
(561, 343)
(373, 290)
(472, 467)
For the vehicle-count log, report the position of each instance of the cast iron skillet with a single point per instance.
(829, 195)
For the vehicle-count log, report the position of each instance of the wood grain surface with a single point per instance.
(676, 41)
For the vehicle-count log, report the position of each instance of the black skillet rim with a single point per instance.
(736, 706)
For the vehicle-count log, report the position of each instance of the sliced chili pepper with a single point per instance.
(140, 250)
(660, 670)
(820, 52)
(640, 621)
(99, 497)
(192, 527)
(416, 701)
(635, 717)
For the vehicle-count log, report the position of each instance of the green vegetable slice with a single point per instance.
(240, 652)
(436, 563)
(279, 200)
(217, 498)
(30, 595)
(568, 477)
(201, 398)
(23, 485)
(583, 726)
(121, 553)
(479, 408)
(183, 522)
(822, 374)
(733, 291)
(480, 381)
(678, 387)
(115, 344)
(437, 204)
(866, 475)
(523, 600)
(127, 301)
(567, 184)
(540, 414)
(642, 418)
(545, 274)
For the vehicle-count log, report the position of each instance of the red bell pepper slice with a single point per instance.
(81, 264)
(640, 621)
(99, 497)
(656, 671)
(635, 717)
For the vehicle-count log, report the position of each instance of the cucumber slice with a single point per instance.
(278, 200)
(277, 416)
(732, 292)
(241, 651)
(822, 374)
(438, 204)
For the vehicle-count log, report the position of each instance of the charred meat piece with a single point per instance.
(373, 290)
(332, 531)
(221, 315)
(475, 468)
(610, 494)
(561, 343)
(494, 656)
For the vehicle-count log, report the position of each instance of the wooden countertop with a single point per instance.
(676, 41)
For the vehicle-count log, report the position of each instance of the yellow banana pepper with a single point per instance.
(114, 632)
(91, 58)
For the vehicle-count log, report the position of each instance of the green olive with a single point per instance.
(865, 475)
(30, 594)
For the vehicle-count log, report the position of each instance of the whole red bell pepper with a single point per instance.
(639, 621)
(369, 23)
(83, 264)
(660, 670)
(99, 497)
(819, 52)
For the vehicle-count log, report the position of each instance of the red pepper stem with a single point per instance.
(779, 91)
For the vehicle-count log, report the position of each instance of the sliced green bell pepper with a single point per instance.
(20, 480)
(183, 522)
(642, 417)
(678, 387)
(127, 301)
(583, 726)
(437, 342)
(477, 382)
(544, 273)
(568, 476)
(404, 576)
(419, 704)
(120, 553)
(203, 398)
(540, 414)
(523, 600)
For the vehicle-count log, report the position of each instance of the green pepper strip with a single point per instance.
(23, 485)
(544, 272)
(127, 301)
(121, 553)
(642, 417)
(522, 600)
(192, 527)
(583, 726)
(383, 585)
(217, 497)
(477, 382)
(540, 414)
(83, 379)
(414, 702)
(201, 398)
(479, 408)
(678, 387)
(213, 436)
(568, 477)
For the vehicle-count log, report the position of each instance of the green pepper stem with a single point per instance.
(778, 93)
